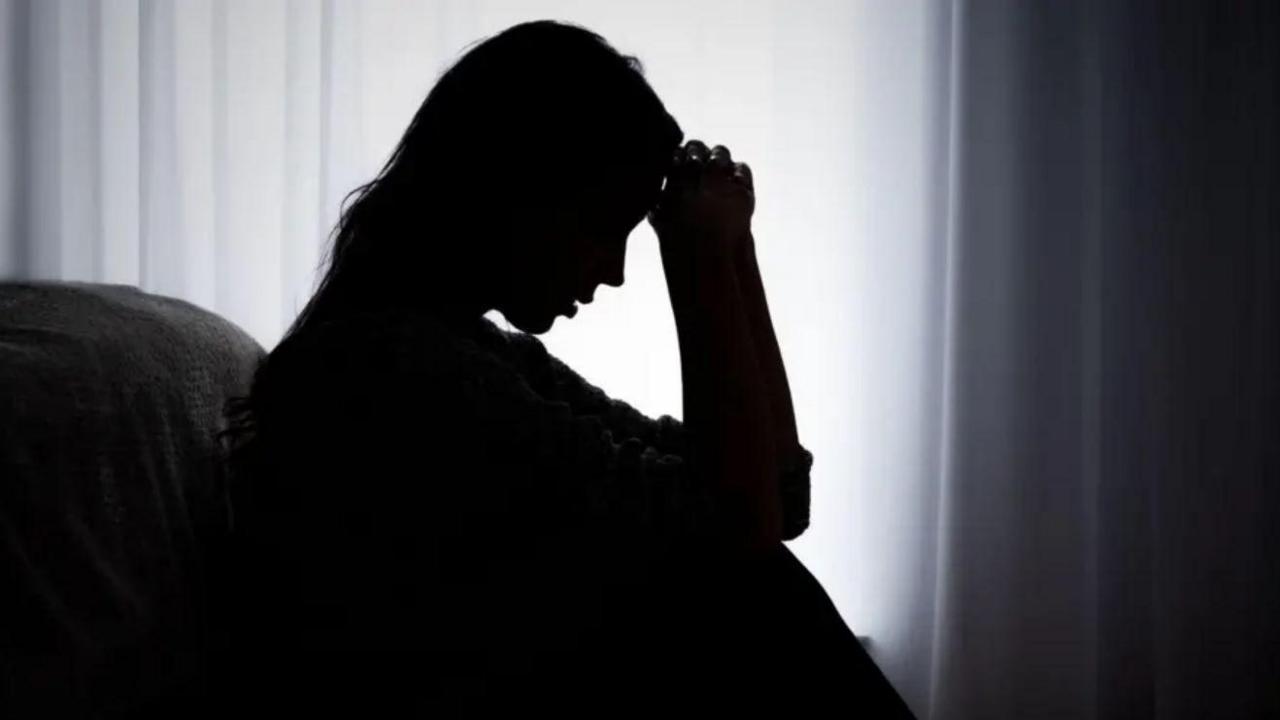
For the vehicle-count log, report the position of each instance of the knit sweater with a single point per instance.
(456, 485)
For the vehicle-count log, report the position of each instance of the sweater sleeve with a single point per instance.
(667, 435)
(605, 466)
(553, 379)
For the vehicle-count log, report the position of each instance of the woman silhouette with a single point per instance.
(432, 512)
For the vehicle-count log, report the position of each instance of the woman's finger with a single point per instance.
(721, 160)
(677, 158)
(742, 172)
(675, 168)
(696, 151)
(692, 159)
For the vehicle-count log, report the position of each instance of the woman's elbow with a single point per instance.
(757, 531)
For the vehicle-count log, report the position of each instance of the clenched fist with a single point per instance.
(707, 202)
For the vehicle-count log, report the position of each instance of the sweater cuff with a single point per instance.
(794, 488)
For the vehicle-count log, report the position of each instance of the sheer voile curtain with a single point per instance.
(1020, 257)
(1108, 489)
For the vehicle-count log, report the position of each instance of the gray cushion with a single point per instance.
(111, 487)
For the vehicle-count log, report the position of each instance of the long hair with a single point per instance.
(538, 109)
(520, 118)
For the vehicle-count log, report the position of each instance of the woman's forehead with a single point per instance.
(628, 195)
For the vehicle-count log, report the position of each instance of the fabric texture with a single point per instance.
(111, 486)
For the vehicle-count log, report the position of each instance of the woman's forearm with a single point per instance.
(768, 355)
(726, 410)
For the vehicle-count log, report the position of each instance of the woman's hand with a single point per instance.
(706, 205)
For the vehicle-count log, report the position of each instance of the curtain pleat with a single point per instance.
(43, 151)
(254, 116)
(304, 153)
(195, 110)
(119, 136)
(196, 149)
(161, 243)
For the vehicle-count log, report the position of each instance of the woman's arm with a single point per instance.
(726, 411)
(701, 219)
(793, 458)
(765, 342)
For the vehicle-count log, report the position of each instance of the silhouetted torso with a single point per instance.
(447, 517)
(432, 499)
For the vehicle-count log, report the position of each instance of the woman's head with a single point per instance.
(514, 187)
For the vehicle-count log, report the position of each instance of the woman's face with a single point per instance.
(562, 256)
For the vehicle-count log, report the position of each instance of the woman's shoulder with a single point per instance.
(368, 353)
(384, 336)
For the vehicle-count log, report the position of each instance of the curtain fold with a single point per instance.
(1107, 504)
(1017, 512)
(1191, 449)
(195, 149)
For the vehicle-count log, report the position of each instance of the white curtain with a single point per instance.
(200, 149)
(946, 221)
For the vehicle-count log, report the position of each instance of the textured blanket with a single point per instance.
(111, 487)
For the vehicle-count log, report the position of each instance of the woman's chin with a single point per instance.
(539, 321)
(533, 324)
